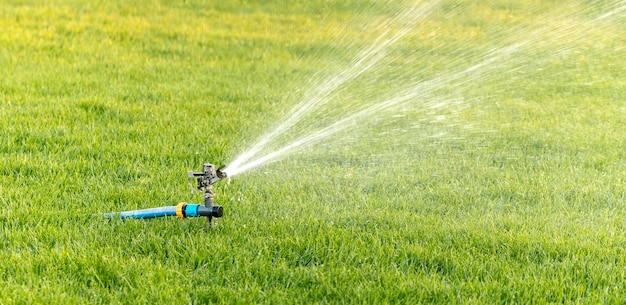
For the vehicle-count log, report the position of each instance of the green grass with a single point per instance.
(104, 106)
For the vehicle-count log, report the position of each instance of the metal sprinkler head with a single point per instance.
(206, 179)
(208, 176)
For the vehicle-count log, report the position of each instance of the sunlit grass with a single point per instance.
(512, 191)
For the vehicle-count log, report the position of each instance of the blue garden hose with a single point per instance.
(182, 210)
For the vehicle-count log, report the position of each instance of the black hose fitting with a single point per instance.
(214, 211)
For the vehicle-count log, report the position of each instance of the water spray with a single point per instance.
(426, 93)
(205, 179)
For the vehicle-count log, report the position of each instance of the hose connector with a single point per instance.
(185, 210)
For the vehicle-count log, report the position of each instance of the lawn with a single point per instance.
(487, 165)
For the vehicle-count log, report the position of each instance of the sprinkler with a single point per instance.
(206, 179)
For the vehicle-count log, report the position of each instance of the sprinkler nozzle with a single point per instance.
(221, 173)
